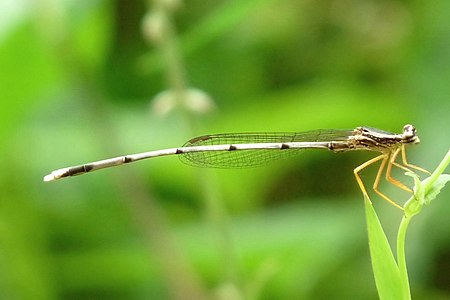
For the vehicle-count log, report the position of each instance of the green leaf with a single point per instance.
(425, 191)
(433, 189)
(385, 269)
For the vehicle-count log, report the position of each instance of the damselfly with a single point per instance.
(239, 150)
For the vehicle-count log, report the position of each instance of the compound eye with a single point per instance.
(409, 130)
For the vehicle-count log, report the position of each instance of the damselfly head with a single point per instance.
(409, 134)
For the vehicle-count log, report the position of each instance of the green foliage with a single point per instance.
(390, 275)
(76, 84)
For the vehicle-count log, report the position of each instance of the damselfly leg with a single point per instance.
(388, 158)
(405, 162)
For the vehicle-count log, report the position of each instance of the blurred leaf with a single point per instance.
(384, 266)
(27, 74)
(93, 35)
(215, 24)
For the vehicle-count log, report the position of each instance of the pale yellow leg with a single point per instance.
(358, 169)
(405, 167)
(391, 162)
(405, 162)
(389, 169)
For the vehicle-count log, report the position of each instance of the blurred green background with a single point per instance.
(82, 81)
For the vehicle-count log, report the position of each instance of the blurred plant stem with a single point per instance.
(424, 193)
(159, 29)
(182, 282)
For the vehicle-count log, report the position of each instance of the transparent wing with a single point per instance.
(252, 158)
